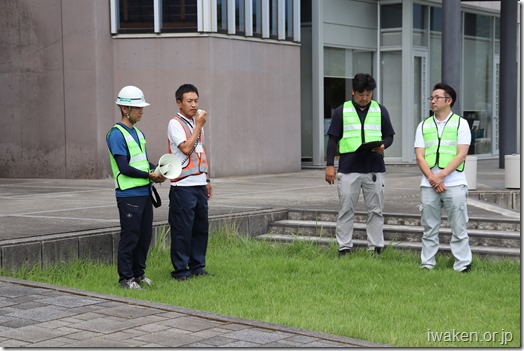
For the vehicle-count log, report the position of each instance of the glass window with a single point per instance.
(477, 25)
(289, 20)
(136, 16)
(391, 25)
(257, 18)
(497, 35)
(240, 16)
(222, 16)
(273, 19)
(478, 73)
(305, 11)
(340, 65)
(179, 16)
(436, 19)
(420, 24)
(435, 45)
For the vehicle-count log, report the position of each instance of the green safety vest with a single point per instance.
(352, 133)
(138, 160)
(440, 151)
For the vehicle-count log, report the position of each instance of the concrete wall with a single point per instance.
(252, 98)
(61, 71)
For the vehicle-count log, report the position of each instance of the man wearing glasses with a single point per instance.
(441, 146)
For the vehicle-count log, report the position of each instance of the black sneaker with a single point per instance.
(143, 280)
(129, 284)
(199, 272)
(467, 269)
(378, 250)
(344, 252)
(180, 277)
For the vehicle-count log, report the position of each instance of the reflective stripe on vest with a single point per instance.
(441, 150)
(137, 159)
(352, 133)
(197, 164)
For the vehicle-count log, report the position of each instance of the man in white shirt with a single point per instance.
(190, 192)
(441, 146)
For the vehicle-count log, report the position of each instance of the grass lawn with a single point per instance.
(387, 300)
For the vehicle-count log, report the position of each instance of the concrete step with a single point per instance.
(400, 233)
(483, 251)
(502, 224)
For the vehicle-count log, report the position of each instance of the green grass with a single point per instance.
(387, 300)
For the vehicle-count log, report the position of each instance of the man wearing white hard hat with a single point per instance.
(133, 175)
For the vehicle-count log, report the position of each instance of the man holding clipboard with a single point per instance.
(360, 131)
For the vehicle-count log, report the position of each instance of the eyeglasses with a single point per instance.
(431, 98)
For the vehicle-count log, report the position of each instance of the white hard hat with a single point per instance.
(131, 96)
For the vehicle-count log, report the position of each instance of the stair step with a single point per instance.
(406, 219)
(412, 246)
(405, 232)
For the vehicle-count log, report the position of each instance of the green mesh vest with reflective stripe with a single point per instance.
(440, 151)
(138, 160)
(352, 133)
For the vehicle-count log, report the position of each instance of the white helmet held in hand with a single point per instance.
(131, 96)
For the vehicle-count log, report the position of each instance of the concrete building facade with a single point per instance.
(269, 73)
(62, 69)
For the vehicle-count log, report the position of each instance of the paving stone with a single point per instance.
(83, 335)
(241, 344)
(218, 341)
(14, 343)
(234, 326)
(257, 335)
(152, 328)
(102, 325)
(29, 305)
(325, 344)
(7, 302)
(99, 343)
(192, 323)
(57, 323)
(209, 333)
(125, 334)
(46, 313)
(30, 334)
(57, 342)
(171, 338)
(88, 316)
(18, 322)
(303, 339)
(70, 301)
(84, 309)
(128, 311)
(171, 315)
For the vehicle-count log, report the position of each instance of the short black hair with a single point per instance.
(364, 81)
(449, 91)
(185, 88)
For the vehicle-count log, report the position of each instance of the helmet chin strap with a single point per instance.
(129, 117)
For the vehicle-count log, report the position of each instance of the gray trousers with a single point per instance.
(454, 200)
(349, 186)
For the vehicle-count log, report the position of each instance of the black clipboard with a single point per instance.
(370, 145)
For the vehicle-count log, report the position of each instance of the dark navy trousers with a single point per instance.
(188, 219)
(136, 223)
